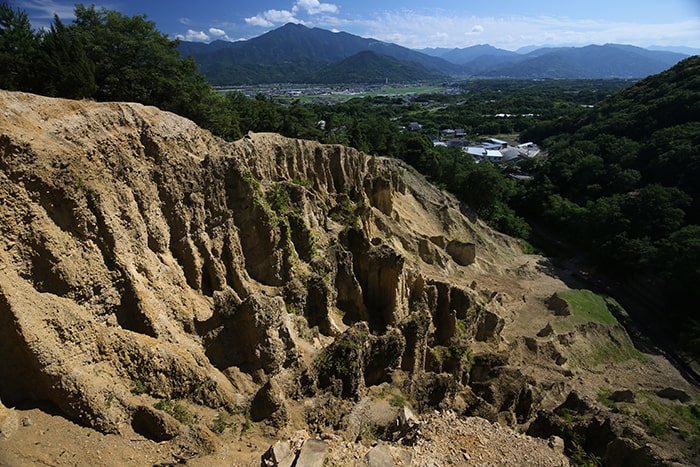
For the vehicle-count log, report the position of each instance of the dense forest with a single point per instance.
(621, 182)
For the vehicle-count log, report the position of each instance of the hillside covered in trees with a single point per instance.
(622, 182)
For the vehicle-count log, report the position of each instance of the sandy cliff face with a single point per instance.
(143, 260)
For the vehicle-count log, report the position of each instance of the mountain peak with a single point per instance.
(295, 52)
(292, 26)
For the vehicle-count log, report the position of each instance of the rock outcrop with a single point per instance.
(144, 260)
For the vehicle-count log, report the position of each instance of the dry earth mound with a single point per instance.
(160, 284)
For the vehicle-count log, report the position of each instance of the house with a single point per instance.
(510, 154)
(528, 149)
(480, 153)
(414, 126)
(475, 151)
(458, 142)
(520, 176)
(499, 142)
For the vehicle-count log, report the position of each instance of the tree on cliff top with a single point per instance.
(18, 47)
(133, 60)
(108, 56)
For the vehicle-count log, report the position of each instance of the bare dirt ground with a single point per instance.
(51, 440)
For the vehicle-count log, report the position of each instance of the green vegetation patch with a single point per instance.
(397, 400)
(614, 351)
(278, 199)
(663, 418)
(138, 387)
(604, 397)
(606, 340)
(585, 307)
(177, 410)
(221, 422)
(402, 91)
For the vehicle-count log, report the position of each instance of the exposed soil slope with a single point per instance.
(179, 297)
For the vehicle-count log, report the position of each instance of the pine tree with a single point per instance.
(67, 71)
(18, 49)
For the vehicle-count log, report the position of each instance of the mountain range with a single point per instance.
(295, 53)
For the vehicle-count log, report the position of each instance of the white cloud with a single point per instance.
(185, 20)
(416, 30)
(219, 34)
(271, 17)
(314, 7)
(45, 9)
(41, 12)
(259, 20)
(280, 16)
(194, 36)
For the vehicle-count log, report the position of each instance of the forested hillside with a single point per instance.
(622, 181)
(371, 67)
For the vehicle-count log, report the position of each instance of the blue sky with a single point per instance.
(507, 24)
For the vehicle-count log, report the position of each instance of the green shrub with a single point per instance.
(176, 409)
(278, 199)
(138, 387)
(656, 428)
(305, 182)
(221, 422)
(397, 400)
(580, 457)
(247, 425)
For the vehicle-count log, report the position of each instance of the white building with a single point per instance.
(480, 153)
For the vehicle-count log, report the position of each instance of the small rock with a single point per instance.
(26, 421)
(312, 453)
(379, 456)
(546, 331)
(622, 396)
(674, 394)
(9, 422)
(387, 455)
(404, 457)
(155, 424)
(560, 359)
(558, 305)
(269, 401)
(197, 439)
(556, 443)
(279, 455)
(406, 418)
(326, 436)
